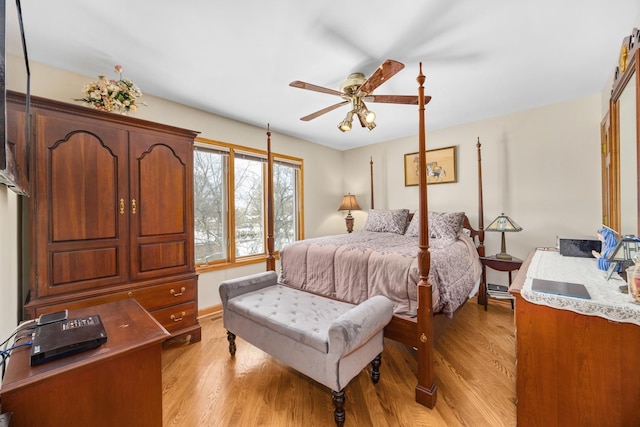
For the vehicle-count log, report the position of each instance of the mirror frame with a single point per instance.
(628, 68)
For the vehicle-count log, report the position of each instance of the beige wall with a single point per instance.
(541, 167)
(8, 262)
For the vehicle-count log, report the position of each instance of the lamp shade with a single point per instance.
(627, 249)
(349, 203)
(503, 223)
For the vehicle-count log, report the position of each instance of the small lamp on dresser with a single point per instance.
(625, 254)
(349, 204)
(503, 224)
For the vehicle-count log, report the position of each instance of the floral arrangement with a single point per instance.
(112, 95)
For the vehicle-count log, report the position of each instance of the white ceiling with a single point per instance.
(237, 58)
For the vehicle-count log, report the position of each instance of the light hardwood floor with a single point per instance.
(475, 373)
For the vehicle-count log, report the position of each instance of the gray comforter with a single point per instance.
(354, 267)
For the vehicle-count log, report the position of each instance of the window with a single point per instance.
(285, 203)
(210, 207)
(249, 205)
(229, 178)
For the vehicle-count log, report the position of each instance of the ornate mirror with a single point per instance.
(623, 143)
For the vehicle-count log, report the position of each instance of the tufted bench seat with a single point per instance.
(327, 340)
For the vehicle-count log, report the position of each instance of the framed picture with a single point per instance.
(441, 167)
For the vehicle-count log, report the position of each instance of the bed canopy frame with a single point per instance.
(421, 332)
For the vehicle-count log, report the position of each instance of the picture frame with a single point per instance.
(441, 167)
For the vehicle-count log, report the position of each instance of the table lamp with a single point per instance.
(349, 203)
(503, 224)
(624, 255)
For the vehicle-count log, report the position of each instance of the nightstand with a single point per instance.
(498, 264)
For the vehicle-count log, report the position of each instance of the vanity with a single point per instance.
(576, 359)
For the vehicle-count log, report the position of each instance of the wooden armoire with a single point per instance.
(110, 212)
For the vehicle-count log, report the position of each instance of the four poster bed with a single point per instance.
(425, 289)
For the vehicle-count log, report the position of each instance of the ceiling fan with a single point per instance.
(357, 89)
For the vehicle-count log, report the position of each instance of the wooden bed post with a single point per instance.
(482, 291)
(271, 260)
(480, 206)
(426, 390)
(371, 168)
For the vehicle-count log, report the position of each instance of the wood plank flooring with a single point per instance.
(475, 373)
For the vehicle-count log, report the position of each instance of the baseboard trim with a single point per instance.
(210, 311)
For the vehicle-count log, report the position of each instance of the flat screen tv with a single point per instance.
(14, 139)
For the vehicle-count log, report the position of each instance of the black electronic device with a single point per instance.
(57, 316)
(15, 139)
(581, 247)
(63, 338)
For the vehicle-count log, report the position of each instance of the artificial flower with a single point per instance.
(112, 95)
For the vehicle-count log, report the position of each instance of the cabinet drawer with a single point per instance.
(78, 304)
(177, 317)
(150, 297)
(169, 294)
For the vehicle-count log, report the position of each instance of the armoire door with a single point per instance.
(81, 215)
(161, 190)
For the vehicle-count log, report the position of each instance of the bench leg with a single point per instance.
(375, 369)
(338, 404)
(231, 337)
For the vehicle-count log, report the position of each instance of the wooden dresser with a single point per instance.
(575, 369)
(116, 384)
(110, 212)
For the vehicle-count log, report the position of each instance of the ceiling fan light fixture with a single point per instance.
(367, 115)
(345, 125)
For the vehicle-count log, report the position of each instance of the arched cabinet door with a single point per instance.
(161, 201)
(81, 226)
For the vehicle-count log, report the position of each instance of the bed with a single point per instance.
(378, 261)
(426, 284)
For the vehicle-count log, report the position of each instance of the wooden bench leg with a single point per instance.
(375, 369)
(231, 337)
(338, 404)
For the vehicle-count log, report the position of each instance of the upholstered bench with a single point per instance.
(329, 341)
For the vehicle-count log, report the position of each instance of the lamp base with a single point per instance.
(503, 255)
(349, 220)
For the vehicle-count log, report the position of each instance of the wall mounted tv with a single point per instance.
(15, 132)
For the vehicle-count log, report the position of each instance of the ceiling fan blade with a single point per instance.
(323, 111)
(384, 72)
(397, 99)
(394, 99)
(309, 86)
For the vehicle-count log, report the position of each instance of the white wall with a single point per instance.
(541, 167)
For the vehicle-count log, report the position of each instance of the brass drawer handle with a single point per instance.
(121, 206)
(130, 294)
(177, 294)
(178, 319)
(134, 206)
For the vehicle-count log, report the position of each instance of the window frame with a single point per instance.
(232, 260)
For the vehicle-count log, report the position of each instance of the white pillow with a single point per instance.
(388, 221)
(442, 225)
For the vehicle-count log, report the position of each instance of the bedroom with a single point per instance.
(531, 171)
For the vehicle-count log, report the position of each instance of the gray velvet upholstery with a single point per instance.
(327, 340)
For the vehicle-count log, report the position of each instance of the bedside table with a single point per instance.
(507, 265)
